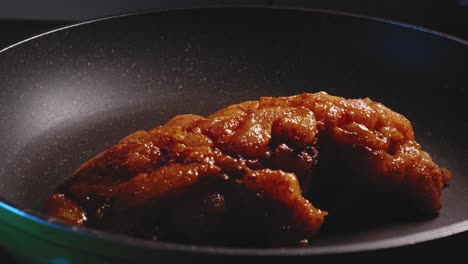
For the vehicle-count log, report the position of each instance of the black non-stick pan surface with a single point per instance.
(67, 95)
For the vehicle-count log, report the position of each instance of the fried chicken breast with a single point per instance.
(241, 176)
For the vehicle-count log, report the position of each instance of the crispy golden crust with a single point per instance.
(245, 169)
(378, 142)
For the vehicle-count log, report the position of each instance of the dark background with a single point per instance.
(20, 19)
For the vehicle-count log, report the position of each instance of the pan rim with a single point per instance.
(315, 10)
(39, 218)
(407, 240)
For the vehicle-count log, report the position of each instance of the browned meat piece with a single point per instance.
(374, 143)
(238, 176)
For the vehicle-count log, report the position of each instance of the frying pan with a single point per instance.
(69, 94)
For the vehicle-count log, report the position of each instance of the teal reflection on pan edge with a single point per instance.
(59, 260)
(30, 217)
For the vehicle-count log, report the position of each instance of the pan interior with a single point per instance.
(69, 95)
